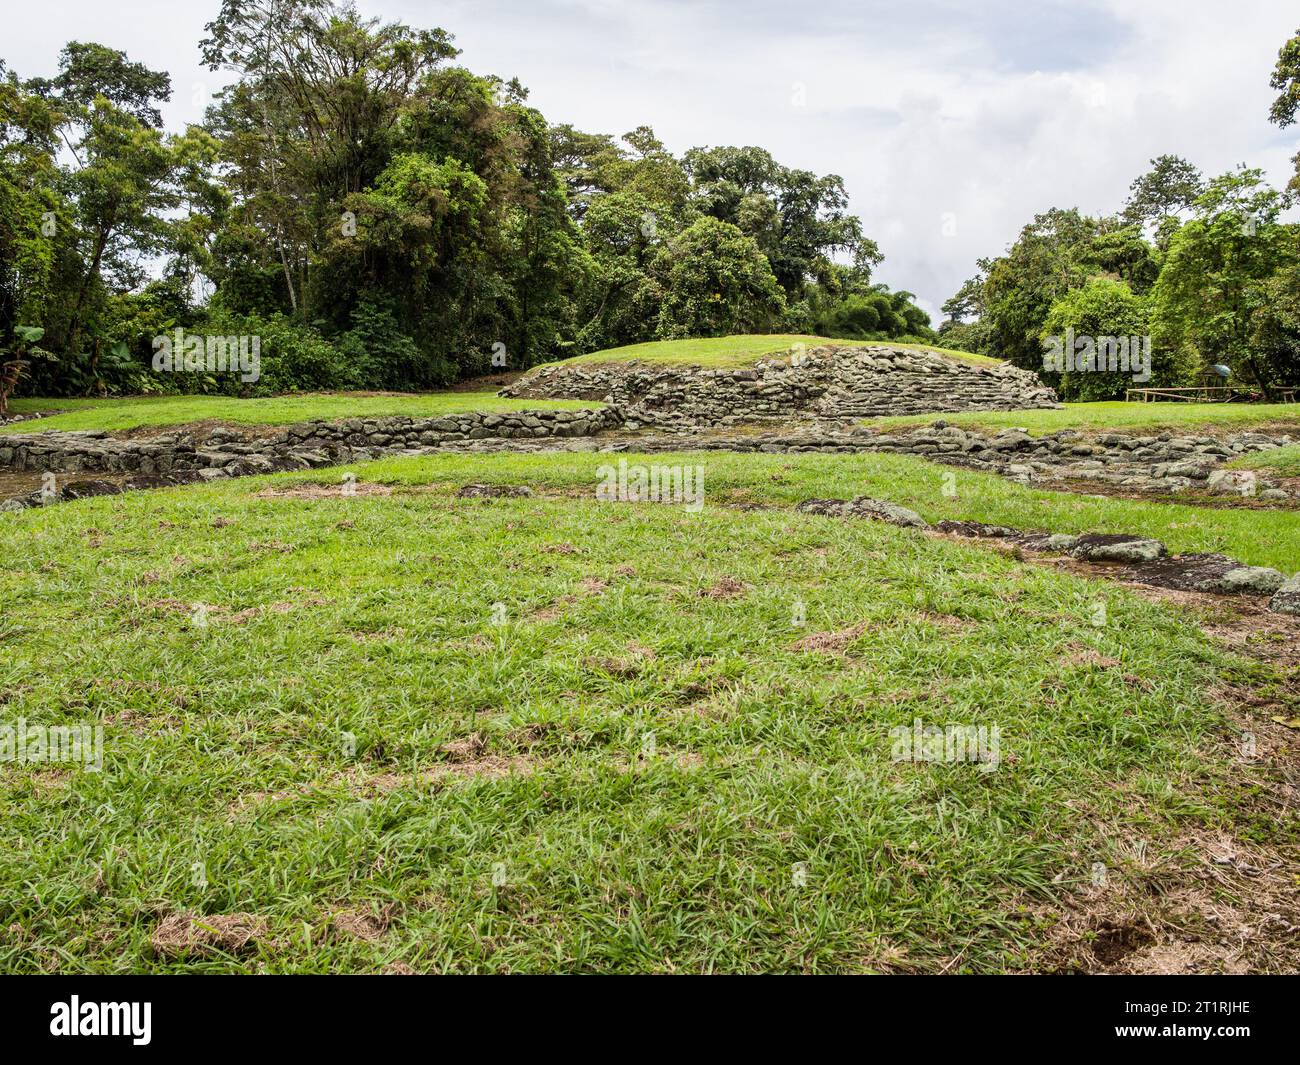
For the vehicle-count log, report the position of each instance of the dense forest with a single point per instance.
(380, 217)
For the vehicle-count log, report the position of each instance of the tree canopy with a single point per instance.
(384, 217)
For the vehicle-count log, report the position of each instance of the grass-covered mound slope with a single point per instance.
(159, 411)
(734, 352)
(1125, 417)
(1283, 461)
(545, 733)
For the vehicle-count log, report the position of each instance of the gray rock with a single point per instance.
(1109, 547)
(1246, 580)
(865, 507)
(1287, 598)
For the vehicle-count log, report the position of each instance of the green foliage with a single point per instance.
(1102, 308)
(394, 221)
(876, 314)
(1217, 283)
(1286, 78)
(1218, 287)
(1171, 185)
(716, 281)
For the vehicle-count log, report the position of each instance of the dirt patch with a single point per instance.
(1089, 659)
(366, 925)
(464, 750)
(381, 636)
(830, 642)
(182, 935)
(724, 588)
(492, 767)
(1128, 558)
(620, 668)
(1215, 906)
(242, 616)
(324, 491)
(494, 491)
(554, 610)
(1185, 572)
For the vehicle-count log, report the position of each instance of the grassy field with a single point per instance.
(745, 350)
(139, 411)
(1257, 537)
(552, 734)
(1128, 417)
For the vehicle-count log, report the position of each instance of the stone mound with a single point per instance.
(829, 381)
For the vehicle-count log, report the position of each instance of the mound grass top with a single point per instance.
(1098, 417)
(149, 411)
(745, 349)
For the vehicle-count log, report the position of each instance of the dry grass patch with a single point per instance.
(183, 935)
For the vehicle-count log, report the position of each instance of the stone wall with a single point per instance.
(225, 451)
(1158, 464)
(831, 381)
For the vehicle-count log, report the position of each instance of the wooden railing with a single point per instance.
(1205, 394)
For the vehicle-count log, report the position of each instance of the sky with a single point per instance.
(952, 122)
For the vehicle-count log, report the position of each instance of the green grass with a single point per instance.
(1134, 417)
(139, 411)
(745, 350)
(1282, 461)
(690, 792)
(1256, 537)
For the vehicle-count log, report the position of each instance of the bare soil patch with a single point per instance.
(325, 491)
(830, 642)
(181, 935)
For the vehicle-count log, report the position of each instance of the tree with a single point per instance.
(34, 222)
(1170, 186)
(798, 220)
(1219, 273)
(716, 282)
(1037, 270)
(1286, 78)
(1103, 312)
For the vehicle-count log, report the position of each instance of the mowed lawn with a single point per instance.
(554, 734)
(139, 411)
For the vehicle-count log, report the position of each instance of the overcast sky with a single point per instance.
(951, 121)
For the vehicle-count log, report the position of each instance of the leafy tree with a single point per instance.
(352, 192)
(1104, 308)
(1275, 326)
(1286, 78)
(34, 221)
(1038, 269)
(716, 282)
(1170, 186)
(1220, 272)
(798, 220)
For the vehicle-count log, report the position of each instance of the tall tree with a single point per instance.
(1218, 273)
(1286, 78)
